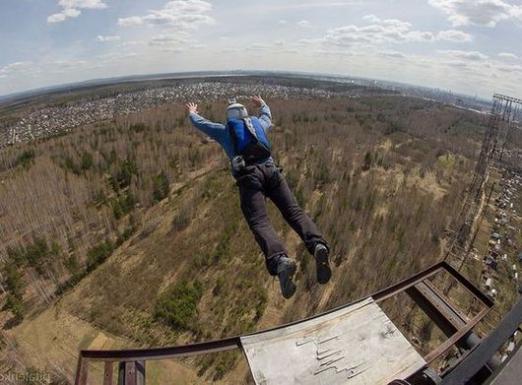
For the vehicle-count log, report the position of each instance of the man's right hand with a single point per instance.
(191, 108)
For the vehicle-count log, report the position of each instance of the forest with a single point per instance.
(133, 225)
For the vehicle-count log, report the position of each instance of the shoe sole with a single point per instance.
(323, 271)
(285, 278)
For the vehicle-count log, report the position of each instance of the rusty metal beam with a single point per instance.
(455, 338)
(437, 308)
(81, 371)
(163, 353)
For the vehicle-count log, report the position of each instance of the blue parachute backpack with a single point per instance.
(249, 139)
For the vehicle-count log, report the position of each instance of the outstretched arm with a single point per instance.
(264, 112)
(211, 129)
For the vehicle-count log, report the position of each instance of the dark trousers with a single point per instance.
(258, 182)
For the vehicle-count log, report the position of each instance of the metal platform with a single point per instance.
(353, 344)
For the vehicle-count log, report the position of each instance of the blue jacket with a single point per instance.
(220, 133)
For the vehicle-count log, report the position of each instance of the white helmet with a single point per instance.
(236, 111)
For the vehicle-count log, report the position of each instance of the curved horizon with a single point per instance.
(462, 46)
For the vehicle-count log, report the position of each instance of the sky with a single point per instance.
(467, 46)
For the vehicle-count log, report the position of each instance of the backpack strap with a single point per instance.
(250, 127)
(233, 138)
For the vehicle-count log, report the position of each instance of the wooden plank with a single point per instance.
(357, 345)
(130, 373)
(140, 372)
(107, 373)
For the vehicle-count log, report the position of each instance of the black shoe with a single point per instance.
(322, 265)
(286, 269)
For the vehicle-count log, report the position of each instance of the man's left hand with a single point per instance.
(258, 101)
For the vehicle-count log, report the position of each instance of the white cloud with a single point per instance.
(304, 5)
(61, 16)
(114, 57)
(181, 14)
(130, 21)
(454, 36)
(510, 68)
(167, 40)
(258, 47)
(382, 31)
(303, 23)
(304, 42)
(465, 55)
(87, 4)
(69, 64)
(508, 55)
(127, 44)
(392, 54)
(19, 66)
(485, 13)
(71, 9)
(174, 49)
(371, 18)
(176, 20)
(107, 39)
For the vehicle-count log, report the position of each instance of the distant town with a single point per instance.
(49, 119)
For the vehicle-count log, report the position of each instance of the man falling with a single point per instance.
(245, 141)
